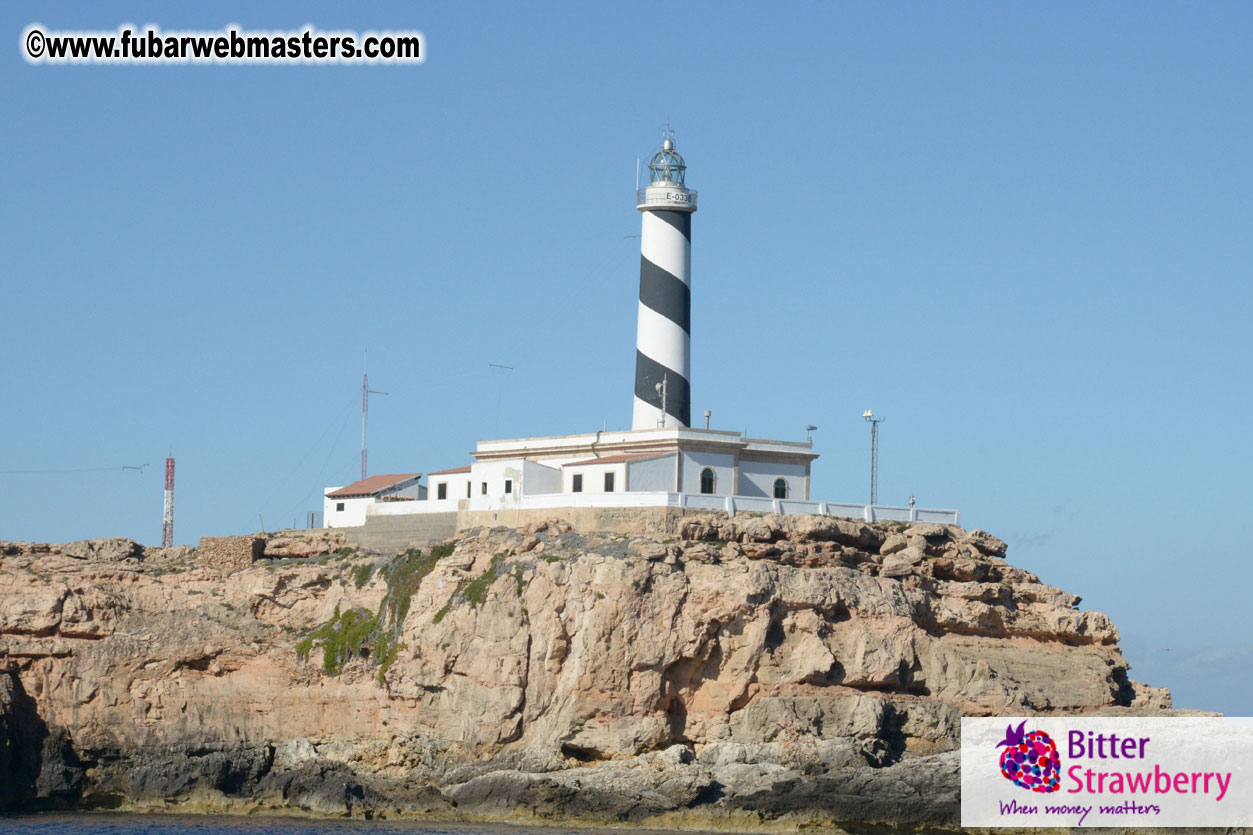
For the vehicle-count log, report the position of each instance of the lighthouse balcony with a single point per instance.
(662, 197)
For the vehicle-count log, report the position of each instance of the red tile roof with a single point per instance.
(373, 484)
(617, 459)
(453, 471)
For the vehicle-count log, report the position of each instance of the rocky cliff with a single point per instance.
(761, 672)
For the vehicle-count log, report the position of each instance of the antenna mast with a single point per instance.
(167, 519)
(366, 391)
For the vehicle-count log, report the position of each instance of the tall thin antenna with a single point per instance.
(500, 389)
(366, 391)
(874, 453)
(167, 518)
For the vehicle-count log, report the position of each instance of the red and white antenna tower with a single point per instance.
(366, 391)
(167, 520)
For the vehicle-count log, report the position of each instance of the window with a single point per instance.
(576, 483)
(467, 489)
(707, 480)
(608, 482)
(485, 488)
(780, 488)
(441, 490)
(509, 485)
(339, 506)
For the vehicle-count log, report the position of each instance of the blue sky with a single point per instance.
(1021, 232)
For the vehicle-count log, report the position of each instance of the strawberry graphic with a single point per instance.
(1030, 760)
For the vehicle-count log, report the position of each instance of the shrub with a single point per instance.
(362, 574)
(475, 589)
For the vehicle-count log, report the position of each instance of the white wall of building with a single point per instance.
(594, 477)
(456, 485)
(660, 473)
(722, 464)
(346, 512)
(757, 478)
(540, 479)
(495, 474)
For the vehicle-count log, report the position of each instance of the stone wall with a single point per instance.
(639, 521)
(396, 533)
(228, 553)
(634, 521)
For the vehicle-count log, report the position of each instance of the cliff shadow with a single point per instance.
(38, 766)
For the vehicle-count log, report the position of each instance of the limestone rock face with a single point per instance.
(113, 549)
(796, 668)
(987, 543)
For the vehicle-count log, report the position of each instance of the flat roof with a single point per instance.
(638, 441)
(618, 459)
(607, 436)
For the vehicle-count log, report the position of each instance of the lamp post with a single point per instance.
(874, 453)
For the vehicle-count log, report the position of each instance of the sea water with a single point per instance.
(106, 823)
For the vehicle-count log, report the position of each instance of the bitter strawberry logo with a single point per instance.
(1030, 760)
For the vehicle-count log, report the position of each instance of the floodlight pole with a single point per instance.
(874, 454)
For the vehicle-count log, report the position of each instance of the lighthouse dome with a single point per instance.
(667, 166)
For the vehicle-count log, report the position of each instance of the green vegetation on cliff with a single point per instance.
(472, 590)
(356, 632)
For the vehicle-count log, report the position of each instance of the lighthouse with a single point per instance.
(663, 340)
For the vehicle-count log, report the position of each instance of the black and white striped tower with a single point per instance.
(663, 342)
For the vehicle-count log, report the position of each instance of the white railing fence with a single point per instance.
(695, 501)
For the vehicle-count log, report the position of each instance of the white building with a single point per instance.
(344, 507)
(665, 467)
(670, 460)
(653, 467)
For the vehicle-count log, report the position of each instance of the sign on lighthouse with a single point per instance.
(663, 342)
